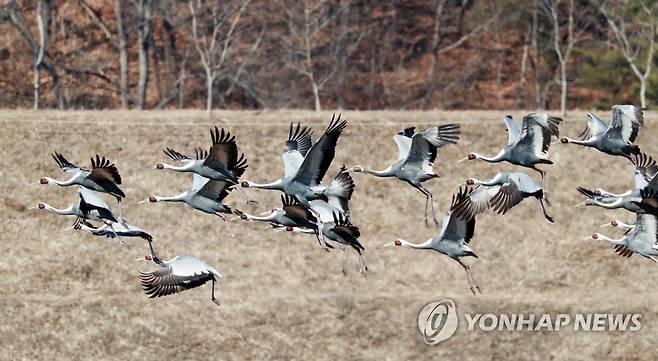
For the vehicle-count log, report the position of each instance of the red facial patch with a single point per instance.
(595, 236)
(43, 181)
(41, 206)
(148, 258)
(244, 185)
(471, 156)
(289, 229)
(470, 182)
(564, 140)
(397, 242)
(159, 166)
(152, 199)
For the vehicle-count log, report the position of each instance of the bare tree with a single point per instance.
(562, 48)
(123, 55)
(214, 45)
(635, 39)
(144, 22)
(438, 49)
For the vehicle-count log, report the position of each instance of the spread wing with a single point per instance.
(595, 126)
(319, 157)
(476, 201)
(645, 169)
(404, 145)
(215, 190)
(64, 164)
(103, 171)
(296, 211)
(174, 155)
(224, 151)
(626, 122)
(299, 139)
(91, 201)
(507, 197)
(454, 228)
(537, 131)
(424, 145)
(513, 131)
(164, 281)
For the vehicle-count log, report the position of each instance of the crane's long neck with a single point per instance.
(586, 143)
(425, 245)
(69, 211)
(268, 218)
(184, 168)
(277, 184)
(155, 258)
(623, 225)
(617, 203)
(68, 182)
(501, 156)
(378, 173)
(613, 241)
(178, 198)
(496, 180)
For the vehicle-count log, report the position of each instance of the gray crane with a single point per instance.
(336, 227)
(526, 146)
(90, 206)
(219, 163)
(305, 183)
(453, 239)
(341, 190)
(205, 195)
(103, 176)
(616, 138)
(502, 192)
(643, 239)
(416, 155)
(176, 275)
(643, 198)
(116, 229)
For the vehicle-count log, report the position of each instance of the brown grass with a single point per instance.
(70, 296)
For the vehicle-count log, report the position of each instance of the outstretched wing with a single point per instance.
(455, 228)
(164, 281)
(403, 140)
(295, 210)
(645, 169)
(476, 201)
(537, 131)
(319, 157)
(297, 146)
(224, 151)
(626, 122)
(595, 126)
(174, 155)
(215, 190)
(91, 201)
(103, 171)
(513, 131)
(424, 145)
(64, 164)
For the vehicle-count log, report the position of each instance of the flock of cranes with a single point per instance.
(310, 206)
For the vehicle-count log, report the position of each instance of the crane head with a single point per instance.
(148, 258)
(43, 181)
(159, 166)
(357, 169)
(243, 217)
(470, 156)
(613, 223)
(152, 199)
(595, 236)
(470, 181)
(398, 242)
(245, 184)
(564, 140)
(289, 229)
(41, 206)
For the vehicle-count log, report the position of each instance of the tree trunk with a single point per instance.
(316, 93)
(643, 92)
(436, 40)
(144, 43)
(123, 55)
(210, 77)
(38, 62)
(563, 95)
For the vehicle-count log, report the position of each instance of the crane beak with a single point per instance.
(587, 238)
(461, 160)
(606, 225)
(387, 245)
(143, 201)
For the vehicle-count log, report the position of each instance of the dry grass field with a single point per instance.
(71, 296)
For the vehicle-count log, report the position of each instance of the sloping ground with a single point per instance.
(69, 296)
